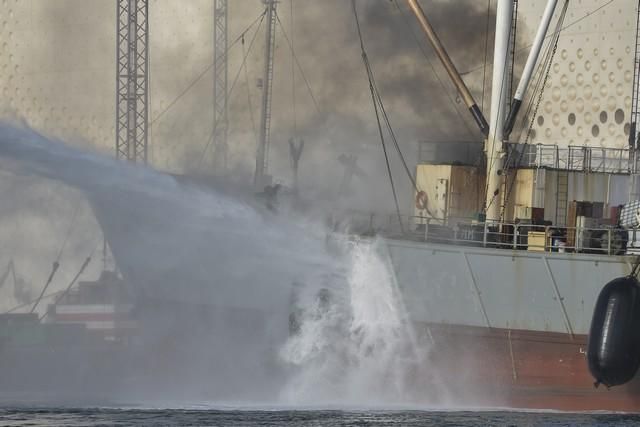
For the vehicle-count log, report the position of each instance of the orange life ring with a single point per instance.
(421, 200)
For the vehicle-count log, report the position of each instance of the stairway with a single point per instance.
(562, 194)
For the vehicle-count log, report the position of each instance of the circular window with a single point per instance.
(540, 120)
(572, 119)
(626, 129)
(595, 130)
(603, 117)
(619, 116)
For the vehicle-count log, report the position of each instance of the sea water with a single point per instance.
(323, 418)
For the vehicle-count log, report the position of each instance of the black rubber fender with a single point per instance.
(613, 350)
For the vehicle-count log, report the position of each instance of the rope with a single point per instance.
(547, 64)
(26, 304)
(433, 69)
(73, 282)
(55, 267)
(569, 25)
(375, 99)
(295, 57)
(249, 102)
(393, 135)
(203, 72)
(538, 81)
(490, 159)
(56, 263)
(233, 85)
(634, 269)
(554, 40)
(293, 73)
(5, 275)
(60, 293)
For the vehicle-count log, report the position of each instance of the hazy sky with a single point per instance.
(64, 52)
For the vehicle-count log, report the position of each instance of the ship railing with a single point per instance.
(494, 234)
(575, 158)
(521, 236)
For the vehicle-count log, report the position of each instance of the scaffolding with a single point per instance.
(132, 80)
(220, 94)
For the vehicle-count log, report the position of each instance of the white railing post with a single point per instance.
(546, 237)
(609, 234)
(484, 234)
(426, 229)
(515, 236)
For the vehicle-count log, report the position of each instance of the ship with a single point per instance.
(499, 269)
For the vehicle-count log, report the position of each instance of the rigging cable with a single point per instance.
(433, 69)
(73, 281)
(26, 304)
(365, 60)
(554, 40)
(295, 57)
(486, 53)
(249, 101)
(5, 275)
(490, 158)
(233, 85)
(546, 64)
(539, 76)
(569, 25)
(204, 71)
(56, 263)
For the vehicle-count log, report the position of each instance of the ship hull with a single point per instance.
(493, 367)
(508, 328)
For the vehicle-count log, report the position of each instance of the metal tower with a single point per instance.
(220, 111)
(132, 80)
(261, 178)
(635, 111)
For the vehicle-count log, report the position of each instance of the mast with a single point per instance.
(499, 92)
(260, 177)
(635, 94)
(220, 95)
(532, 59)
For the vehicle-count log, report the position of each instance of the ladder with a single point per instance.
(633, 128)
(267, 82)
(269, 85)
(562, 194)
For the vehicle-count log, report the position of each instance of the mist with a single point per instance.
(232, 301)
(213, 274)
